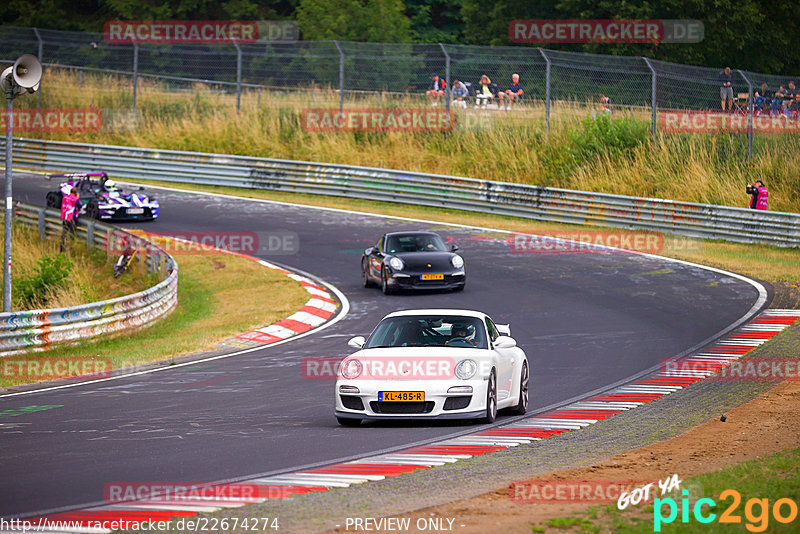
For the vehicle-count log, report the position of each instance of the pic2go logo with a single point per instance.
(756, 511)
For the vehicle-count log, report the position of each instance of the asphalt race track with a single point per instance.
(585, 321)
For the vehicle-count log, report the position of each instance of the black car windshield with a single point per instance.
(414, 243)
(429, 331)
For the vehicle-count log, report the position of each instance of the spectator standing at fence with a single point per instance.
(459, 94)
(70, 208)
(435, 90)
(726, 88)
(605, 104)
(484, 93)
(512, 94)
(759, 195)
(777, 100)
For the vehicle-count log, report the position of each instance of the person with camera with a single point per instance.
(759, 194)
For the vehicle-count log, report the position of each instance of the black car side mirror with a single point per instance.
(453, 248)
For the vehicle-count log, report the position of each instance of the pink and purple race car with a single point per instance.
(102, 199)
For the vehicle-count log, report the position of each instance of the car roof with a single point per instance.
(465, 313)
(412, 232)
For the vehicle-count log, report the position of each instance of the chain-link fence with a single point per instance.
(552, 80)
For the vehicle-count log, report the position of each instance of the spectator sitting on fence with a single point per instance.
(484, 93)
(776, 105)
(794, 107)
(763, 99)
(726, 88)
(788, 95)
(460, 93)
(435, 90)
(512, 94)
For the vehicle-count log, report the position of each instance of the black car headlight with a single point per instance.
(457, 261)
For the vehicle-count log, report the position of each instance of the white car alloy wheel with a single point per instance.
(524, 380)
(491, 400)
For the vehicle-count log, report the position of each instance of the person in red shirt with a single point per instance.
(70, 209)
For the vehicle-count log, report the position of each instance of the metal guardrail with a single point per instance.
(26, 330)
(484, 196)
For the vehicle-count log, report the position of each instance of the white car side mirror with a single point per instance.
(357, 342)
(503, 329)
(505, 342)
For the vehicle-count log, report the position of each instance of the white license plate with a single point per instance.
(135, 211)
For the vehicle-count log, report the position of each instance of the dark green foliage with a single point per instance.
(601, 135)
(51, 272)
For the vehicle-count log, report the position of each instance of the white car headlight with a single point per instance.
(396, 264)
(457, 261)
(466, 369)
(351, 369)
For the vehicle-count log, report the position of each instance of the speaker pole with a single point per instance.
(7, 216)
(24, 76)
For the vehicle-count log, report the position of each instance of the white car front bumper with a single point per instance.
(441, 400)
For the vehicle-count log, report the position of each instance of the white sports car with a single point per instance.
(432, 364)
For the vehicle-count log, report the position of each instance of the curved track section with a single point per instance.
(585, 320)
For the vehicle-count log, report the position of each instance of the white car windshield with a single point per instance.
(415, 243)
(429, 331)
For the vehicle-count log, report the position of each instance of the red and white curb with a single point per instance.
(318, 310)
(545, 425)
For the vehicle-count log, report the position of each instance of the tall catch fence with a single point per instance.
(388, 71)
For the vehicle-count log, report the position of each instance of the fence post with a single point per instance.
(749, 114)
(135, 71)
(238, 76)
(90, 234)
(546, 93)
(448, 90)
(42, 223)
(41, 52)
(341, 77)
(652, 97)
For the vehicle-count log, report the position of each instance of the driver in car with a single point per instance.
(424, 243)
(460, 334)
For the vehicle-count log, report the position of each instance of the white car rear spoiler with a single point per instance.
(504, 329)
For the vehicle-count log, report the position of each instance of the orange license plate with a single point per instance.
(401, 396)
(431, 277)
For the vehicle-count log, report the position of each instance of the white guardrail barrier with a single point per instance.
(28, 330)
(485, 196)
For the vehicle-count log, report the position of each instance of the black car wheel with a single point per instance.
(385, 284)
(365, 274)
(524, 380)
(54, 199)
(92, 210)
(491, 400)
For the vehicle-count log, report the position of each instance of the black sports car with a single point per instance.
(413, 260)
